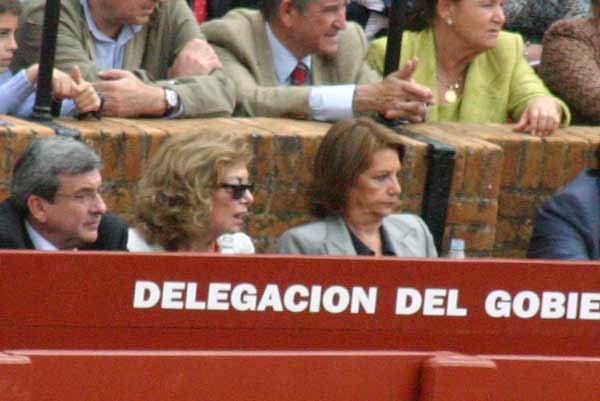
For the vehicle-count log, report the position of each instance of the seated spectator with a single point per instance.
(476, 72)
(531, 18)
(571, 65)
(148, 58)
(354, 192)
(567, 226)
(55, 201)
(16, 91)
(194, 196)
(300, 59)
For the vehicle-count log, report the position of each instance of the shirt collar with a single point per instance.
(127, 32)
(40, 243)
(283, 60)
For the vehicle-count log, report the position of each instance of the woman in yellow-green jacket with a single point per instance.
(477, 72)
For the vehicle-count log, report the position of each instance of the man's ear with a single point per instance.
(287, 12)
(37, 208)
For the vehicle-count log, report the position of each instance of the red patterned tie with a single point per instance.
(299, 74)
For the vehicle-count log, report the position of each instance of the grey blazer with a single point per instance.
(408, 233)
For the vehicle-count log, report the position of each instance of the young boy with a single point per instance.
(17, 95)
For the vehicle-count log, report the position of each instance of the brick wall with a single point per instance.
(499, 176)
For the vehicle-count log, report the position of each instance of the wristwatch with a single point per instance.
(172, 99)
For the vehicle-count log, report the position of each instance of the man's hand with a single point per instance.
(84, 95)
(396, 97)
(541, 118)
(196, 58)
(125, 95)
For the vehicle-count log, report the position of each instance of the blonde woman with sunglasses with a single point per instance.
(194, 196)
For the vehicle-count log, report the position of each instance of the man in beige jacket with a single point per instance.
(266, 52)
(147, 57)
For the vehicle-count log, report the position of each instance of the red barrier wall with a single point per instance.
(86, 301)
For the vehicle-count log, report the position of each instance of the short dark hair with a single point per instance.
(345, 152)
(270, 8)
(11, 6)
(38, 169)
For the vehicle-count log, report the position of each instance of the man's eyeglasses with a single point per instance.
(238, 190)
(86, 197)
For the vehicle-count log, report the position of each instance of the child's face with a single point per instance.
(8, 45)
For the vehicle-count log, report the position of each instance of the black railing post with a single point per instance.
(43, 101)
(438, 182)
(45, 106)
(397, 23)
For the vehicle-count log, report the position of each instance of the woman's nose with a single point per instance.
(395, 186)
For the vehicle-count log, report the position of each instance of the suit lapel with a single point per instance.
(26, 238)
(422, 44)
(322, 71)
(398, 238)
(338, 241)
(17, 225)
(135, 50)
(480, 101)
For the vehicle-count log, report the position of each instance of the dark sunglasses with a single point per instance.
(238, 190)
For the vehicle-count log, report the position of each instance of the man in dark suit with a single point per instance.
(55, 201)
(568, 224)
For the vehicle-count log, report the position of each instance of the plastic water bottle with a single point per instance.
(457, 248)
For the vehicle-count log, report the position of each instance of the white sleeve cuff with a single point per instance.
(331, 103)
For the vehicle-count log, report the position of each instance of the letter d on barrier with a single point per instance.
(146, 294)
(408, 301)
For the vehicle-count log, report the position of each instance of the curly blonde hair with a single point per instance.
(173, 202)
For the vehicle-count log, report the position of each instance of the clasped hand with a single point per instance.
(397, 96)
(70, 87)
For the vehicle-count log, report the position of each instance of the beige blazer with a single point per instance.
(240, 39)
(149, 53)
(408, 234)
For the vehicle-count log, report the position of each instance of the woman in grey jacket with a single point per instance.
(354, 193)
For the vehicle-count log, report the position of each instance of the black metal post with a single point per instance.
(43, 102)
(440, 169)
(440, 156)
(397, 23)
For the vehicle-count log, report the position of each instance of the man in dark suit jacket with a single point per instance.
(55, 201)
(568, 224)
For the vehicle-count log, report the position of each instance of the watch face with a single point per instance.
(171, 98)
